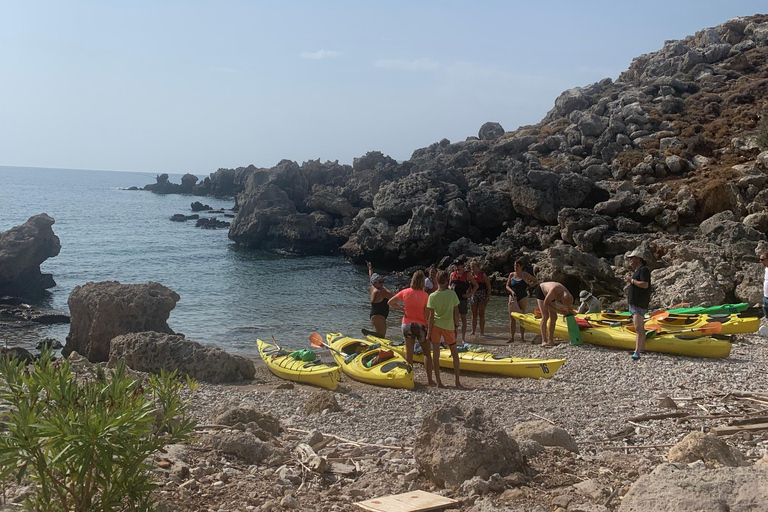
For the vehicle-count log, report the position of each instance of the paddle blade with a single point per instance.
(653, 327)
(711, 328)
(659, 315)
(537, 312)
(316, 340)
(275, 342)
(681, 305)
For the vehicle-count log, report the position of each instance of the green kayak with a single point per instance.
(724, 309)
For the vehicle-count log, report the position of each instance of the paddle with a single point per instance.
(573, 330)
(710, 328)
(317, 341)
(367, 332)
(275, 342)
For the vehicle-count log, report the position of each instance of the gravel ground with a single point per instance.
(592, 396)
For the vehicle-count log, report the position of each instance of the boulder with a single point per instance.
(454, 445)
(489, 206)
(242, 445)
(197, 206)
(546, 434)
(321, 400)
(567, 102)
(705, 447)
(396, 200)
(688, 281)
(540, 193)
(678, 488)
(101, 311)
(22, 249)
(373, 241)
(757, 221)
(582, 227)
(188, 182)
(153, 351)
(490, 131)
(330, 200)
(246, 416)
(419, 239)
(577, 270)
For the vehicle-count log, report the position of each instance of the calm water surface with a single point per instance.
(229, 296)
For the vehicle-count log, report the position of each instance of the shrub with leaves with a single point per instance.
(85, 442)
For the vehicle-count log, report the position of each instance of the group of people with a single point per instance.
(435, 305)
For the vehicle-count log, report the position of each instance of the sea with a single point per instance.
(230, 296)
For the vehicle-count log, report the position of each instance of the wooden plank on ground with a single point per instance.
(415, 501)
(724, 431)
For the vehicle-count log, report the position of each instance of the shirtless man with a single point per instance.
(546, 294)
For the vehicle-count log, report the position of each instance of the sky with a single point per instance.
(171, 86)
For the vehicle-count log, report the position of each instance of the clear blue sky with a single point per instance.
(171, 86)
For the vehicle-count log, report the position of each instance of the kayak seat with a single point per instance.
(499, 356)
(310, 364)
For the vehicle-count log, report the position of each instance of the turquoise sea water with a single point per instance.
(229, 296)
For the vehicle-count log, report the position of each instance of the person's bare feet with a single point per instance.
(440, 385)
(431, 383)
(549, 345)
(459, 386)
(511, 340)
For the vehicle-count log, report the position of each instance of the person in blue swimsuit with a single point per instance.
(518, 283)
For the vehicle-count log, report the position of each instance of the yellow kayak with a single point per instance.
(284, 366)
(623, 337)
(370, 362)
(731, 324)
(487, 362)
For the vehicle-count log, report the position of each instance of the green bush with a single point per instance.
(85, 442)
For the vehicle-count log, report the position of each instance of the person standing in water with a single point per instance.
(443, 322)
(414, 301)
(465, 286)
(518, 283)
(479, 300)
(379, 306)
(639, 297)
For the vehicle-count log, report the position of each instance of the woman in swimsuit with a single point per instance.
(479, 300)
(379, 297)
(518, 283)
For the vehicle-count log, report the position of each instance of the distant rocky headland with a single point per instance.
(670, 156)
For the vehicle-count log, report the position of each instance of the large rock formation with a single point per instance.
(678, 488)
(22, 250)
(454, 445)
(102, 311)
(669, 154)
(153, 351)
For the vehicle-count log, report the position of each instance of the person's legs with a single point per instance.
(435, 340)
(544, 319)
(512, 326)
(450, 340)
(552, 324)
(481, 314)
(765, 307)
(638, 320)
(421, 337)
(475, 308)
(463, 310)
(379, 324)
(522, 303)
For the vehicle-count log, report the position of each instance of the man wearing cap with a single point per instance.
(638, 296)
(589, 303)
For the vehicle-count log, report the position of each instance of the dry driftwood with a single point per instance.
(661, 416)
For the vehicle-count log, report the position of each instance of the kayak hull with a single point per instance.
(282, 365)
(622, 337)
(394, 372)
(486, 362)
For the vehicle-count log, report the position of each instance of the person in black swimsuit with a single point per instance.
(379, 297)
(518, 283)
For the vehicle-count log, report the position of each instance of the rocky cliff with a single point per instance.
(22, 250)
(669, 154)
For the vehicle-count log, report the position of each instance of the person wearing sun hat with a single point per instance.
(589, 303)
(379, 297)
(639, 297)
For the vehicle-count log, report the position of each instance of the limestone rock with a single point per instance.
(243, 445)
(22, 250)
(453, 445)
(567, 264)
(545, 434)
(687, 281)
(101, 311)
(265, 421)
(321, 400)
(677, 488)
(706, 447)
(152, 351)
(490, 131)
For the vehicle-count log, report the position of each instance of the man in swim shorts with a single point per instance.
(547, 294)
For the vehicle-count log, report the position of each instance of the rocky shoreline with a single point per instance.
(672, 154)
